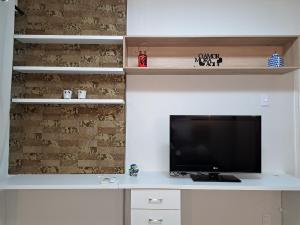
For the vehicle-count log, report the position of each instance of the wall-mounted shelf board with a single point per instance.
(69, 70)
(240, 54)
(208, 71)
(69, 39)
(68, 101)
(192, 41)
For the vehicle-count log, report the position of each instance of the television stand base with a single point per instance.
(214, 177)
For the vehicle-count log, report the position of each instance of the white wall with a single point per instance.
(151, 99)
(215, 17)
(6, 56)
(297, 123)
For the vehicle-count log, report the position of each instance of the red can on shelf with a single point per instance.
(142, 59)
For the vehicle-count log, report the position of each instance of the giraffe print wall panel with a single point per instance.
(68, 139)
(85, 17)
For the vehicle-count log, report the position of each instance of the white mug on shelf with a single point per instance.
(81, 94)
(67, 94)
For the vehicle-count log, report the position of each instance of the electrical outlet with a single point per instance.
(266, 219)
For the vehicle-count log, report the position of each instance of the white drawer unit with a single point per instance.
(156, 217)
(155, 199)
(154, 206)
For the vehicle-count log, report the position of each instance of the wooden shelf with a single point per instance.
(193, 41)
(208, 71)
(240, 54)
(68, 101)
(69, 70)
(69, 39)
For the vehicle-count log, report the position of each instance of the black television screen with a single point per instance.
(215, 144)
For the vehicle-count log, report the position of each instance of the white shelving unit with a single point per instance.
(69, 70)
(69, 39)
(68, 101)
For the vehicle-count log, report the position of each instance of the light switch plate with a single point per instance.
(265, 100)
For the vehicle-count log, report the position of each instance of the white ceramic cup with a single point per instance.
(67, 94)
(81, 94)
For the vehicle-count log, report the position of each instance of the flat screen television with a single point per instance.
(209, 145)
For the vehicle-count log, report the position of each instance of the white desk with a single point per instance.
(39, 182)
(164, 191)
(155, 180)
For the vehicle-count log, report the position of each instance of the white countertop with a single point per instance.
(249, 182)
(69, 181)
(155, 180)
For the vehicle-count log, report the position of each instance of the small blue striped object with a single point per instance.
(275, 61)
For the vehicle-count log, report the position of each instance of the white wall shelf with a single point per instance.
(69, 70)
(68, 101)
(69, 39)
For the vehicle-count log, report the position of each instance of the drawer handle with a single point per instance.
(152, 221)
(155, 200)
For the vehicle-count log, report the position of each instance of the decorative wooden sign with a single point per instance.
(208, 59)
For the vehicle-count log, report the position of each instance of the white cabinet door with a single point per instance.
(6, 56)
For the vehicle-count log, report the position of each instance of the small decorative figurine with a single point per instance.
(208, 59)
(81, 94)
(67, 94)
(142, 59)
(276, 60)
(133, 170)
